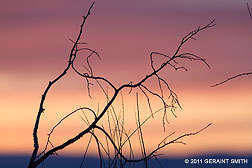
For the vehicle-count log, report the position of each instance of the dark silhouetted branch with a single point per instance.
(32, 163)
(249, 11)
(161, 145)
(116, 124)
(233, 77)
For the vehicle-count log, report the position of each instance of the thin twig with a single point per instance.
(233, 77)
(151, 154)
(85, 153)
(33, 163)
(68, 115)
(117, 134)
(140, 132)
(249, 11)
(98, 148)
(178, 138)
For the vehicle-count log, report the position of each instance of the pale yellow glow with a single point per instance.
(227, 108)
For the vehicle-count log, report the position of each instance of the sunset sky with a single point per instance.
(34, 49)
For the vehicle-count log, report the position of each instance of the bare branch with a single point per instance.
(169, 61)
(87, 76)
(184, 40)
(86, 150)
(116, 128)
(151, 154)
(77, 43)
(163, 141)
(32, 162)
(233, 77)
(192, 34)
(140, 132)
(193, 57)
(98, 148)
(176, 140)
(148, 101)
(249, 11)
(49, 135)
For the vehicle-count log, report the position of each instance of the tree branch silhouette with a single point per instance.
(231, 78)
(249, 11)
(116, 134)
(72, 56)
(238, 75)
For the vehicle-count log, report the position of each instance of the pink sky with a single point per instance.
(35, 47)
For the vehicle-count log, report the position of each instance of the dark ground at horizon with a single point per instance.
(201, 161)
